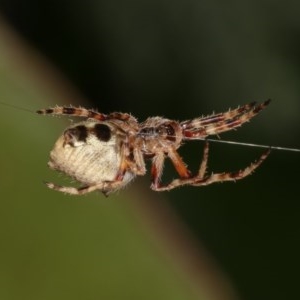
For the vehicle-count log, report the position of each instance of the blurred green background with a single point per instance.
(179, 59)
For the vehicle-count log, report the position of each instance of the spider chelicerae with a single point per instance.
(106, 151)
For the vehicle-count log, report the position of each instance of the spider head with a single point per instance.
(157, 134)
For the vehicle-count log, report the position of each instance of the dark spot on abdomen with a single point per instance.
(102, 132)
(77, 133)
(81, 133)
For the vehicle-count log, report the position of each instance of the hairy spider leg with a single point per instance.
(201, 180)
(85, 113)
(218, 123)
(158, 163)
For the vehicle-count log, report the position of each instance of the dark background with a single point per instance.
(182, 59)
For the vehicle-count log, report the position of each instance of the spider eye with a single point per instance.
(102, 132)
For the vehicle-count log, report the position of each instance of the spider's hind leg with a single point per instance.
(201, 180)
(230, 176)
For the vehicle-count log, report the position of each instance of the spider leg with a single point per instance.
(181, 169)
(203, 165)
(178, 163)
(105, 187)
(135, 165)
(198, 180)
(157, 167)
(218, 123)
(138, 166)
(74, 111)
(231, 176)
(216, 118)
(85, 113)
(124, 164)
(76, 191)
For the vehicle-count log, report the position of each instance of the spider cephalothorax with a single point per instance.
(105, 152)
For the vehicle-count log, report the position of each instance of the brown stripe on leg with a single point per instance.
(217, 123)
(219, 177)
(232, 176)
(73, 111)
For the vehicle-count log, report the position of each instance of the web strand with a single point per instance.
(252, 145)
(17, 107)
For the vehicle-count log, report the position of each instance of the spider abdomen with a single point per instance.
(94, 160)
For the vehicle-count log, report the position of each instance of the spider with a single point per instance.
(106, 151)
